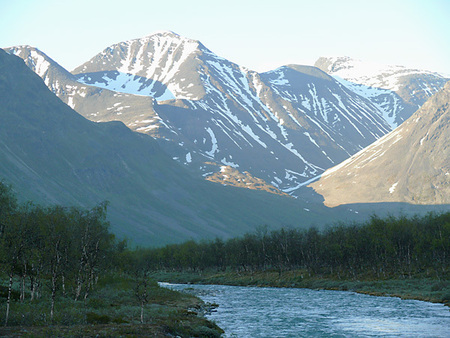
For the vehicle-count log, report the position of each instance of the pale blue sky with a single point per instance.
(260, 35)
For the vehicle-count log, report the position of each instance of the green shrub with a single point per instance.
(120, 320)
(446, 298)
(94, 318)
(438, 286)
(96, 303)
(204, 331)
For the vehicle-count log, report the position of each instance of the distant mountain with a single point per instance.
(282, 127)
(51, 154)
(411, 164)
(396, 90)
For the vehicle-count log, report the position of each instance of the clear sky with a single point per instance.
(259, 35)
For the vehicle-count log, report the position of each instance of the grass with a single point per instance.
(111, 310)
(425, 289)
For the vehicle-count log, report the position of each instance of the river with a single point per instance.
(289, 312)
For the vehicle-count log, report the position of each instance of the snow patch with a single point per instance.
(392, 188)
(214, 147)
(231, 164)
(188, 158)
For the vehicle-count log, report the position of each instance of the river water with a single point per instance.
(288, 312)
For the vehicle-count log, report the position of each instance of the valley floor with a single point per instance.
(424, 289)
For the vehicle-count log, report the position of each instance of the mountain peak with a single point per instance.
(359, 70)
(162, 37)
(37, 61)
(152, 65)
(330, 64)
(21, 47)
(164, 32)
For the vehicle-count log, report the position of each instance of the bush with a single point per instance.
(438, 286)
(94, 318)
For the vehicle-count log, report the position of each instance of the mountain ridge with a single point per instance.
(229, 115)
(396, 90)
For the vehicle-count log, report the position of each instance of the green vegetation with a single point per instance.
(63, 273)
(406, 257)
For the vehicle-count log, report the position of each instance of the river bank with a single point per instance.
(111, 310)
(424, 289)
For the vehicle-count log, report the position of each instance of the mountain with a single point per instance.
(410, 164)
(396, 90)
(95, 103)
(282, 127)
(51, 154)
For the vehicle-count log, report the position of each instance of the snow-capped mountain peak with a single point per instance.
(372, 74)
(35, 59)
(161, 65)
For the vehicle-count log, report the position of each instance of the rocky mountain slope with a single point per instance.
(410, 164)
(282, 127)
(396, 90)
(51, 154)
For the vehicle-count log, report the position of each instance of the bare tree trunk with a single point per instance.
(32, 288)
(55, 277)
(22, 289)
(38, 289)
(52, 308)
(63, 285)
(78, 291)
(34, 283)
(86, 293)
(8, 301)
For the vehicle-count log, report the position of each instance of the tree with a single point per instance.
(55, 238)
(8, 204)
(13, 245)
(94, 239)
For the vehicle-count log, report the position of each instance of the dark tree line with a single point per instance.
(50, 250)
(393, 246)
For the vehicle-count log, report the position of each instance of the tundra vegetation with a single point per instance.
(63, 273)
